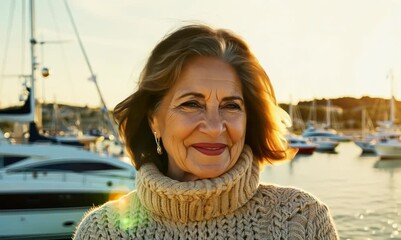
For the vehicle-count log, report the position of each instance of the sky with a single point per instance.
(310, 48)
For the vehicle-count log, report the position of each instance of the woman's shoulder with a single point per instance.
(294, 205)
(288, 196)
(97, 219)
(119, 205)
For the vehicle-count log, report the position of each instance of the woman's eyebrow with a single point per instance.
(233, 98)
(200, 95)
(193, 94)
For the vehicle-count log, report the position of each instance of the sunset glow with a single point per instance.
(310, 49)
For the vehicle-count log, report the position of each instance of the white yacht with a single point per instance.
(312, 132)
(386, 141)
(326, 140)
(46, 189)
(390, 147)
(368, 144)
(389, 150)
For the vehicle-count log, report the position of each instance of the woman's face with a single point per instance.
(202, 120)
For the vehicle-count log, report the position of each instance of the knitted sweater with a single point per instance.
(231, 206)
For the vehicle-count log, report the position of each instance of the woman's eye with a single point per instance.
(191, 104)
(232, 106)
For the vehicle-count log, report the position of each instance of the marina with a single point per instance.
(50, 176)
(361, 190)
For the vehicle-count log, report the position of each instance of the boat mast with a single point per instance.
(93, 76)
(33, 55)
(392, 102)
(363, 117)
(328, 113)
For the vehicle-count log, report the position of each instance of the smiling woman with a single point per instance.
(202, 122)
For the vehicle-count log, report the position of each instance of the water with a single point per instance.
(362, 192)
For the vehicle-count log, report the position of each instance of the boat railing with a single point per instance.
(66, 176)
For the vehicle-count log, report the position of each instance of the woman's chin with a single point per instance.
(210, 171)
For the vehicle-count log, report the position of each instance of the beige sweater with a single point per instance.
(232, 206)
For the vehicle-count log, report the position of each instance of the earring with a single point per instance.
(159, 147)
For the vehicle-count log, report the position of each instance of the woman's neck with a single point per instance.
(198, 200)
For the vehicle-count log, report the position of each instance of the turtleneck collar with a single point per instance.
(201, 199)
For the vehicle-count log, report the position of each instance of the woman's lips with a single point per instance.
(211, 149)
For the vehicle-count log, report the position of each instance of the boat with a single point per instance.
(324, 144)
(304, 146)
(47, 183)
(388, 139)
(326, 140)
(367, 140)
(313, 132)
(46, 189)
(312, 138)
(390, 149)
(367, 146)
(389, 145)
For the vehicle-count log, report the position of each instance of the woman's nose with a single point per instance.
(213, 124)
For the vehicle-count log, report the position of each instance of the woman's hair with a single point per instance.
(264, 130)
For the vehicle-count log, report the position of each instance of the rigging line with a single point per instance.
(63, 54)
(79, 38)
(93, 77)
(8, 35)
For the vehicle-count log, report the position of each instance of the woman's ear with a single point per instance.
(153, 122)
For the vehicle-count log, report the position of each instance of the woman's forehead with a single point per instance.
(207, 73)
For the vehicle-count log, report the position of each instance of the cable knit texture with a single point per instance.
(232, 206)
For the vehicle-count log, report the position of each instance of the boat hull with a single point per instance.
(326, 146)
(42, 215)
(305, 150)
(367, 147)
(388, 151)
(40, 223)
(303, 146)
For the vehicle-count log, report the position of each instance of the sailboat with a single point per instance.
(367, 140)
(295, 141)
(389, 146)
(46, 186)
(327, 139)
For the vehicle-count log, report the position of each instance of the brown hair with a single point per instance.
(264, 133)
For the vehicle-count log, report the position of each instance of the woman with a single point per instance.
(198, 129)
